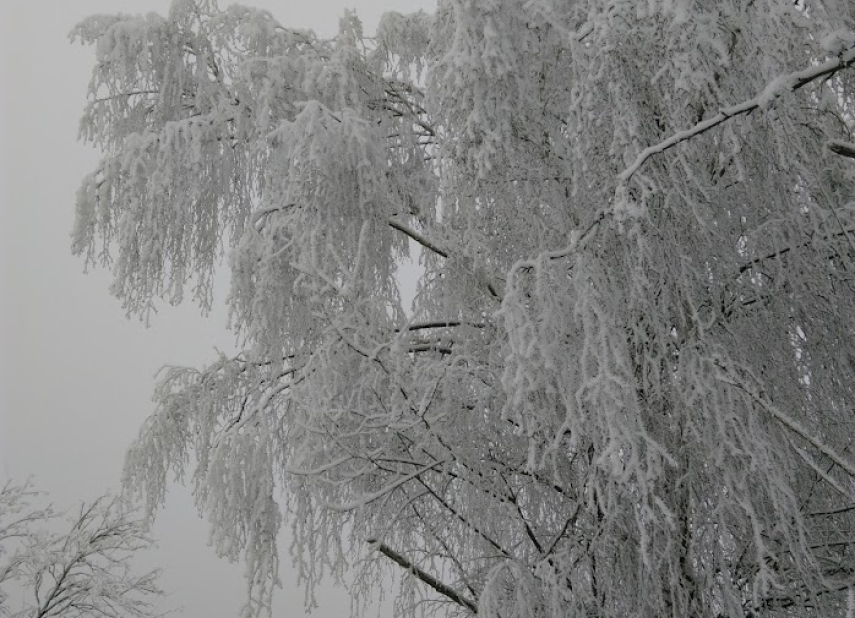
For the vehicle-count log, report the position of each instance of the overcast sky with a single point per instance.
(75, 375)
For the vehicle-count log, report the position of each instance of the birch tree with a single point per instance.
(625, 385)
(83, 571)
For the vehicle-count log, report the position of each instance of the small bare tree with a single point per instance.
(83, 572)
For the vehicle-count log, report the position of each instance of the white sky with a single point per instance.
(75, 376)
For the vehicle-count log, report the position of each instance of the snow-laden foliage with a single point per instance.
(77, 568)
(625, 386)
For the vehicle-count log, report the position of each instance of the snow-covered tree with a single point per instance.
(625, 386)
(83, 571)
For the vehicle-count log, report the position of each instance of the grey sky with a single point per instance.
(75, 375)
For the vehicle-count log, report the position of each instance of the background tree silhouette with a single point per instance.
(84, 571)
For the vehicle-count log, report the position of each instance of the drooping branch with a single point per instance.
(773, 90)
(425, 577)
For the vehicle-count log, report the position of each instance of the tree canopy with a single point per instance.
(625, 385)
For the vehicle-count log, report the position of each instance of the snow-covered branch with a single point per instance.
(419, 238)
(773, 90)
(425, 577)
